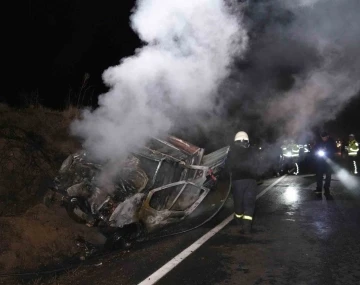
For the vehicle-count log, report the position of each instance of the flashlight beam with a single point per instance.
(344, 176)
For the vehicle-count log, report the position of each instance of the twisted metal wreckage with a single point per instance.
(159, 185)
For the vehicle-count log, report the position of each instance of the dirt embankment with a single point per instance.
(33, 144)
(42, 236)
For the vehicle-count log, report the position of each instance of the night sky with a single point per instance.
(55, 43)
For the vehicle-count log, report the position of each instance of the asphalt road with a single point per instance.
(299, 238)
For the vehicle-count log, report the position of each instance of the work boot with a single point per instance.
(247, 224)
(327, 191)
(238, 223)
(327, 194)
(317, 191)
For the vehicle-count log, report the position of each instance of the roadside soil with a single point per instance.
(33, 144)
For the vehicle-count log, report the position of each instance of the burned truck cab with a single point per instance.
(160, 184)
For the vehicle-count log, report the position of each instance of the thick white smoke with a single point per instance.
(332, 29)
(302, 69)
(189, 48)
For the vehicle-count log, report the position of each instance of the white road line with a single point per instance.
(157, 275)
(263, 192)
(161, 272)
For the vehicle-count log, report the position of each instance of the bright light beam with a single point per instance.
(344, 176)
(291, 194)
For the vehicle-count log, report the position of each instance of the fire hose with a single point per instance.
(95, 260)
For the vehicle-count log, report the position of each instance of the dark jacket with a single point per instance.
(242, 163)
(329, 147)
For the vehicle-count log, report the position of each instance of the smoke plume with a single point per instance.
(187, 53)
(297, 66)
(332, 28)
(302, 68)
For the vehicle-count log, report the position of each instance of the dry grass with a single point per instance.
(71, 113)
(33, 143)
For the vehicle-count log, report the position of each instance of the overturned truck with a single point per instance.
(156, 186)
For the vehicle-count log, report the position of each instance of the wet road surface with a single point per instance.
(299, 238)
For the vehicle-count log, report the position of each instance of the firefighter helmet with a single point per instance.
(242, 138)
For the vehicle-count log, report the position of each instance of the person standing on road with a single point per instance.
(243, 167)
(324, 149)
(291, 153)
(352, 152)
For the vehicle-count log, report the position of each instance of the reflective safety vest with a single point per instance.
(244, 217)
(295, 149)
(353, 148)
(290, 150)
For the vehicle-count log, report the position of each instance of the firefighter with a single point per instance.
(324, 149)
(291, 152)
(243, 167)
(274, 156)
(286, 154)
(352, 150)
(295, 150)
